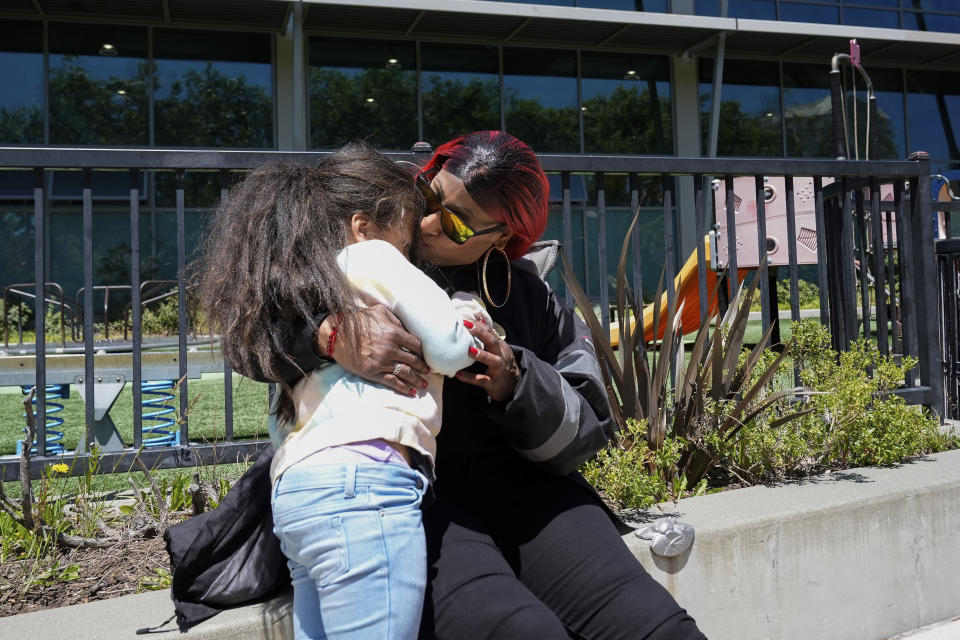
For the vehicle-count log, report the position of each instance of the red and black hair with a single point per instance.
(503, 175)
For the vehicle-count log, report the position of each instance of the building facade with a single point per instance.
(568, 76)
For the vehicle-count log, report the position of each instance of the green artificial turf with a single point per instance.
(205, 417)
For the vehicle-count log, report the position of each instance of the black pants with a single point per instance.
(545, 562)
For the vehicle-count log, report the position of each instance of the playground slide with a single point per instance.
(687, 286)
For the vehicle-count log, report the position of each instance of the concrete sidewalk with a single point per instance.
(948, 629)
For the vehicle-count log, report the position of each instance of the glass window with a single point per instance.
(931, 21)
(871, 18)
(708, 7)
(98, 85)
(626, 104)
(16, 227)
(755, 9)
(931, 5)
(540, 90)
(749, 108)
(934, 107)
(461, 90)
(357, 93)
(796, 12)
(809, 118)
(564, 3)
(21, 76)
(213, 89)
(659, 6)
(807, 114)
(888, 87)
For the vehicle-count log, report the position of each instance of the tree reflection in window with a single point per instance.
(213, 89)
(809, 120)
(540, 94)
(626, 104)
(21, 76)
(98, 85)
(355, 96)
(749, 108)
(461, 90)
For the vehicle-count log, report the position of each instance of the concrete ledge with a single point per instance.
(121, 617)
(863, 554)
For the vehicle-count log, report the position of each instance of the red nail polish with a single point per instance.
(468, 324)
(413, 391)
(423, 384)
(473, 351)
(458, 374)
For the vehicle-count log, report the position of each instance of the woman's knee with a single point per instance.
(679, 626)
(476, 611)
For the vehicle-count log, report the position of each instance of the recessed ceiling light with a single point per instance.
(631, 74)
(370, 100)
(121, 92)
(107, 49)
(393, 63)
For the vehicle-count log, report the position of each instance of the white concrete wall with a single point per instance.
(862, 554)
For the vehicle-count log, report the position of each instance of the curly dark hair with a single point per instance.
(269, 257)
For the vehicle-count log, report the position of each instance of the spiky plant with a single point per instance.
(711, 396)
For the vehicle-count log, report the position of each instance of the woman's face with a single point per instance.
(437, 247)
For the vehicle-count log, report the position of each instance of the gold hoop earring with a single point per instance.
(483, 278)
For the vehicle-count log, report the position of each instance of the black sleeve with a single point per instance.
(559, 415)
(297, 356)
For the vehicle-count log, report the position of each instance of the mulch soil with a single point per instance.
(103, 573)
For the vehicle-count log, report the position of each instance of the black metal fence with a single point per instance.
(948, 268)
(871, 285)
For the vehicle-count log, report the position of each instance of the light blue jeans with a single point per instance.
(353, 537)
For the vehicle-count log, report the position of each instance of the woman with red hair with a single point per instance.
(518, 544)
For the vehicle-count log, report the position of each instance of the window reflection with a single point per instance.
(807, 114)
(796, 12)
(356, 93)
(626, 104)
(213, 88)
(461, 90)
(749, 108)
(926, 21)
(871, 18)
(21, 76)
(888, 87)
(934, 107)
(754, 9)
(99, 77)
(659, 6)
(540, 93)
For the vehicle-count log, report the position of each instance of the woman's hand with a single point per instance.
(502, 374)
(387, 355)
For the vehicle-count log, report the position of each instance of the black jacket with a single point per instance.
(559, 415)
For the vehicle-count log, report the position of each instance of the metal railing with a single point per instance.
(948, 268)
(904, 304)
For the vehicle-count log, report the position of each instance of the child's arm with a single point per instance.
(381, 273)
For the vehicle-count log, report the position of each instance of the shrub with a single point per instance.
(631, 475)
(163, 319)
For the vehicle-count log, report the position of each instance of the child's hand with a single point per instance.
(387, 355)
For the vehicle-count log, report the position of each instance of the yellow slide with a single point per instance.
(687, 287)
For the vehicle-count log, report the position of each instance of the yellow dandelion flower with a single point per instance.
(59, 468)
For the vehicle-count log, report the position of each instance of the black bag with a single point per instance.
(229, 556)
